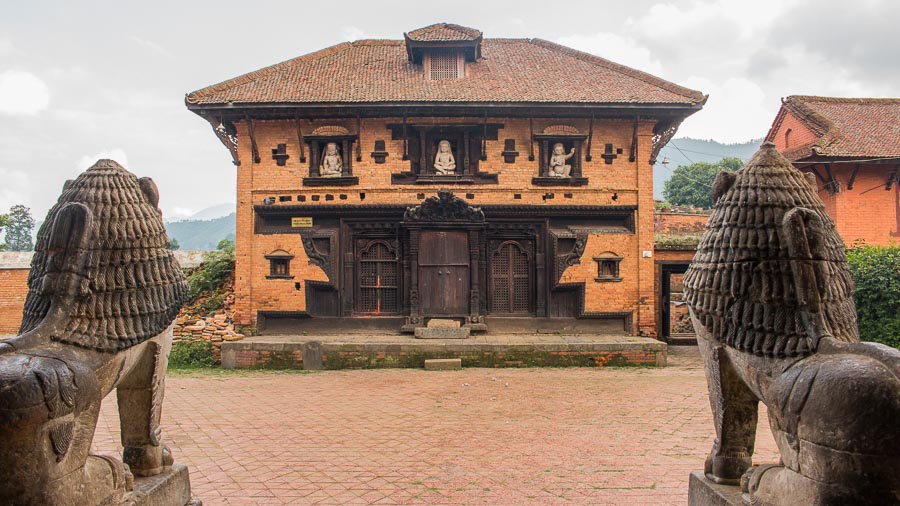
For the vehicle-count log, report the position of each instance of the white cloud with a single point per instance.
(353, 33)
(16, 188)
(737, 110)
(6, 46)
(22, 93)
(180, 213)
(150, 46)
(117, 154)
(623, 50)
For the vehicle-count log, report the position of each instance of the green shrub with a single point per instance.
(191, 355)
(216, 267)
(876, 274)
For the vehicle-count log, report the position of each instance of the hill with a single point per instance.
(202, 234)
(685, 151)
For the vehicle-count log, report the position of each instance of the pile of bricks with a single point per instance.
(215, 329)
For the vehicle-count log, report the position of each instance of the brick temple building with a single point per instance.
(502, 183)
(852, 145)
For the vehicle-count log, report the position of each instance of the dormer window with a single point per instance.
(443, 50)
(444, 65)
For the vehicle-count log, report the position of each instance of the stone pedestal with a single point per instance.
(442, 333)
(172, 487)
(704, 492)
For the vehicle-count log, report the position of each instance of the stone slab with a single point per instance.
(704, 492)
(443, 364)
(441, 333)
(438, 323)
(312, 356)
(172, 487)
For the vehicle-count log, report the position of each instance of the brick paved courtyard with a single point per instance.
(477, 436)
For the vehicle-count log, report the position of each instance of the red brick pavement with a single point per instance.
(477, 436)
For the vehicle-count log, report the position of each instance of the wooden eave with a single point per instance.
(289, 110)
(490, 210)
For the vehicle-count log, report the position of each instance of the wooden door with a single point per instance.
(511, 270)
(444, 272)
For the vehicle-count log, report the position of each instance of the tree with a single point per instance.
(4, 221)
(18, 229)
(876, 274)
(173, 244)
(691, 185)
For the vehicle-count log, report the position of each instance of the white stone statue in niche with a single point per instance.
(331, 165)
(558, 165)
(444, 163)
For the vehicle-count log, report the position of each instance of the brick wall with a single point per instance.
(677, 223)
(868, 212)
(621, 183)
(13, 288)
(799, 134)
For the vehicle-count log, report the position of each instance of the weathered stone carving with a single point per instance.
(558, 165)
(445, 206)
(444, 163)
(331, 165)
(770, 296)
(103, 292)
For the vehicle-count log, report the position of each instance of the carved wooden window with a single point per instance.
(377, 279)
(608, 267)
(510, 278)
(279, 265)
(444, 65)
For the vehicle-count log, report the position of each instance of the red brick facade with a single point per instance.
(606, 212)
(852, 147)
(13, 288)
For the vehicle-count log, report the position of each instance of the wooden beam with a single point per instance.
(587, 157)
(853, 177)
(632, 156)
(253, 147)
(358, 138)
(813, 169)
(405, 139)
(833, 185)
(300, 139)
(531, 140)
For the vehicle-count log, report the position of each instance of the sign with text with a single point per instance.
(301, 222)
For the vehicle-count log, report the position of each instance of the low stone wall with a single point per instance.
(256, 353)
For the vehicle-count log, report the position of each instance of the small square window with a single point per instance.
(279, 265)
(608, 268)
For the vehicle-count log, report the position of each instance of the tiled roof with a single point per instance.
(444, 32)
(846, 127)
(510, 71)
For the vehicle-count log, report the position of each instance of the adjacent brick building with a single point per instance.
(852, 145)
(503, 183)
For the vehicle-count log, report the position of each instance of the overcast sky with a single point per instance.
(86, 80)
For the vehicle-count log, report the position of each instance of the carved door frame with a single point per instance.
(444, 211)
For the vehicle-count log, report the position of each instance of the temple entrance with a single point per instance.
(675, 320)
(444, 272)
(511, 279)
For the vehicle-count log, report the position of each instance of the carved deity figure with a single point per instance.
(444, 163)
(103, 291)
(332, 165)
(558, 165)
(771, 299)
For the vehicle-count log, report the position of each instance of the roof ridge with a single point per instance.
(699, 97)
(844, 100)
(192, 97)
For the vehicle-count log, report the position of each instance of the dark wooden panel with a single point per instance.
(444, 272)
(321, 300)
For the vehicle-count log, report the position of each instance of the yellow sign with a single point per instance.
(301, 222)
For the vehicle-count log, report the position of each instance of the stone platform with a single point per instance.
(172, 487)
(376, 351)
(704, 492)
